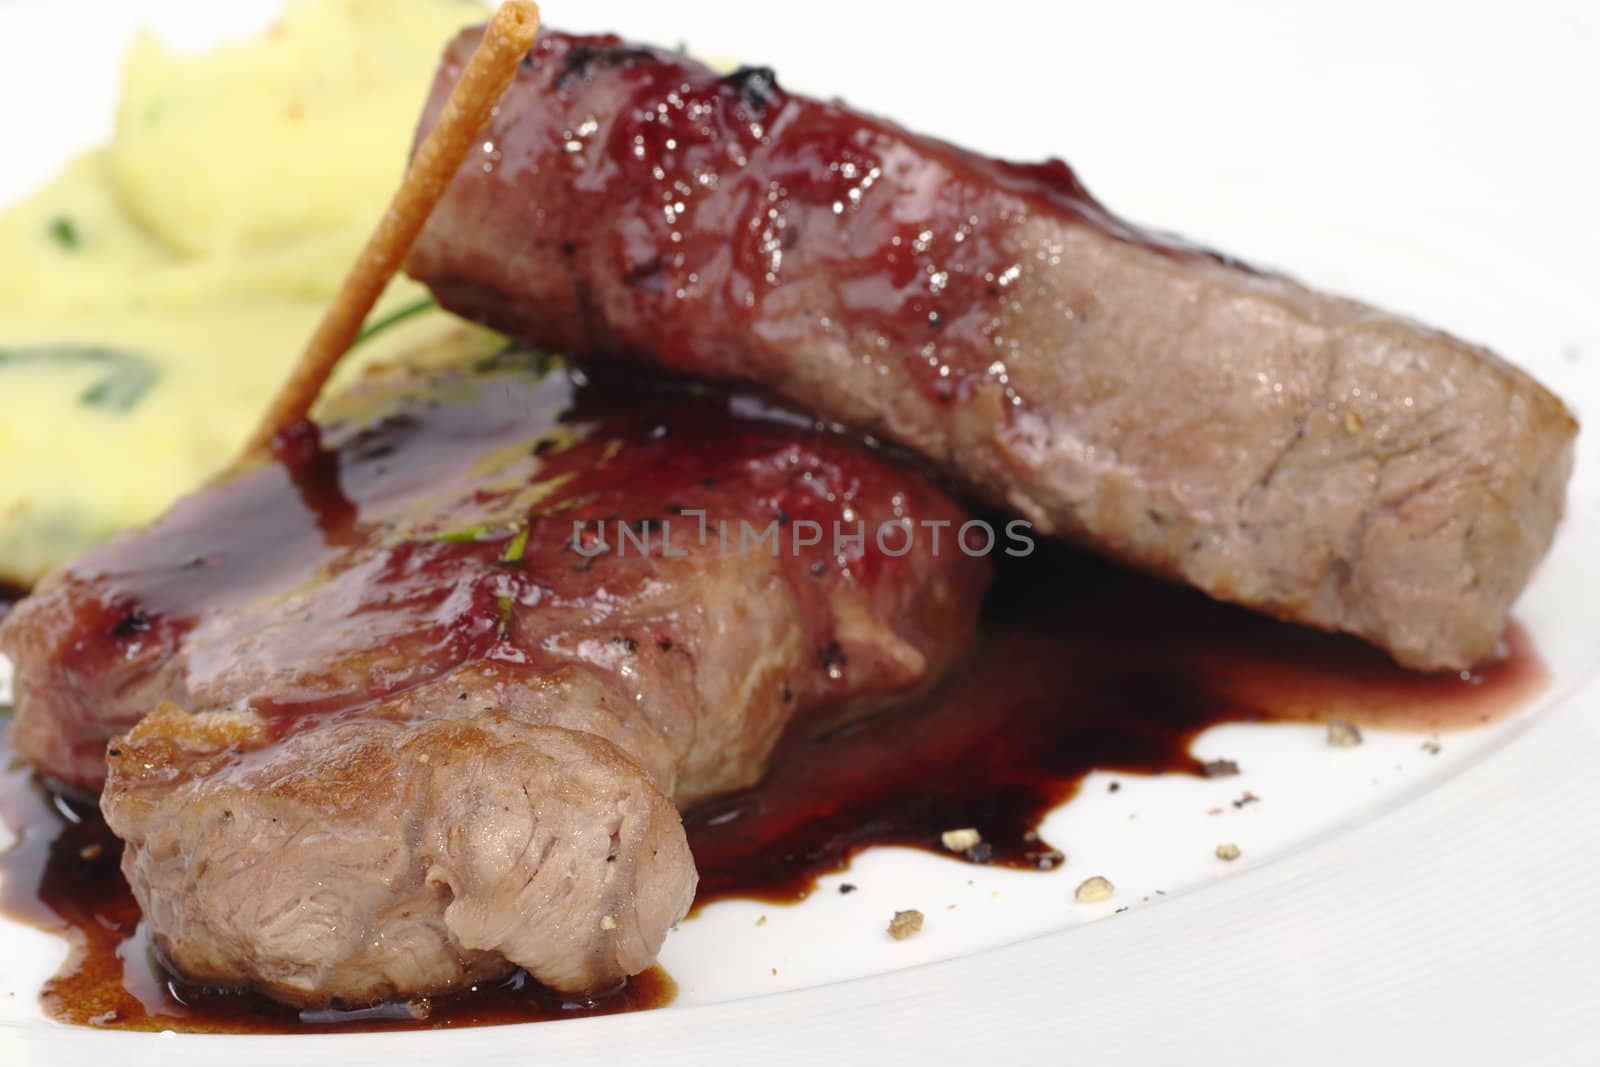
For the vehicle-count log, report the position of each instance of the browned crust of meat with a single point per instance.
(1306, 456)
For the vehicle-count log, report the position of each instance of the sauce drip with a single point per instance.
(1080, 666)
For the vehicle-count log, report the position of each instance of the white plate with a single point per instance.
(1391, 905)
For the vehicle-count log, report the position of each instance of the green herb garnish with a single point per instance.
(396, 316)
(127, 376)
(519, 545)
(519, 532)
(513, 554)
(65, 232)
(471, 535)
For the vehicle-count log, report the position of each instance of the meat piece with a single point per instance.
(384, 858)
(425, 698)
(1300, 454)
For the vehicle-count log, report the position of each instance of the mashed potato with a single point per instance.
(155, 294)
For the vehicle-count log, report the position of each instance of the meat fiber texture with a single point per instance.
(400, 711)
(1300, 454)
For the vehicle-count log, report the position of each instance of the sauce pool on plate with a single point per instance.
(1080, 666)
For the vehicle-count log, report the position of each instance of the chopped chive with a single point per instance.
(519, 544)
(65, 231)
(468, 536)
(396, 316)
(123, 377)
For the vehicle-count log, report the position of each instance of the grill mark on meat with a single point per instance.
(1162, 404)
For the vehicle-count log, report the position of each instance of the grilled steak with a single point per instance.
(1297, 453)
(425, 696)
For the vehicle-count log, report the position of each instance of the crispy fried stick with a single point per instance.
(506, 40)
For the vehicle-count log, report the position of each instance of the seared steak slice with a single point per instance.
(370, 859)
(416, 727)
(1297, 453)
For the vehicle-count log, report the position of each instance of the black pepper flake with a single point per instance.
(1113, 787)
(819, 568)
(1219, 768)
(758, 86)
(628, 644)
(1248, 798)
(134, 622)
(783, 517)
(845, 889)
(787, 694)
(568, 248)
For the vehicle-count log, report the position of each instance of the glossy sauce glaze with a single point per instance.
(1080, 666)
(478, 518)
(694, 206)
